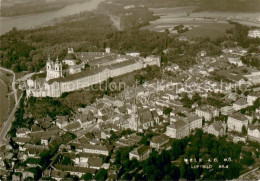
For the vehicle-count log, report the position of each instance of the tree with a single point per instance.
(87, 176)
(248, 160)
(101, 175)
(167, 110)
(244, 130)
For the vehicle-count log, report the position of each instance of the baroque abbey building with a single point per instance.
(83, 69)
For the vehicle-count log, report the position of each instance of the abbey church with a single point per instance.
(79, 70)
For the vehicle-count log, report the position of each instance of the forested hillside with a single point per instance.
(28, 49)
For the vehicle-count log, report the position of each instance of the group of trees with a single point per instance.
(240, 35)
(180, 28)
(187, 102)
(27, 50)
(184, 53)
(170, 164)
(40, 108)
(250, 60)
(147, 74)
(19, 121)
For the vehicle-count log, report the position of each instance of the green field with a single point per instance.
(211, 30)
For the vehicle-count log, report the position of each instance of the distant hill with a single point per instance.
(203, 5)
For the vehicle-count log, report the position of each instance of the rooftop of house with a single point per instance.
(238, 116)
(91, 147)
(145, 115)
(217, 126)
(75, 169)
(177, 125)
(58, 174)
(140, 150)
(160, 139)
(73, 125)
(95, 161)
(254, 127)
(254, 94)
(207, 108)
(240, 102)
(192, 118)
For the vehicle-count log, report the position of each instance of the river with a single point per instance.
(27, 21)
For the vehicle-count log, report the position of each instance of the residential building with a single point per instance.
(62, 122)
(254, 33)
(178, 129)
(95, 162)
(195, 122)
(217, 129)
(240, 104)
(158, 141)
(251, 97)
(22, 132)
(253, 133)
(140, 153)
(207, 112)
(236, 121)
(227, 110)
(96, 149)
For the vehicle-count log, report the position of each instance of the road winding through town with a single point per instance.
(7, 124)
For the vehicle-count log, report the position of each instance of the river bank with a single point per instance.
(33, 20)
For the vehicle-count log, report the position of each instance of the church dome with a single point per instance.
(70, 56)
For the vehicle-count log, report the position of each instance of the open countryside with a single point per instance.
(201, 24)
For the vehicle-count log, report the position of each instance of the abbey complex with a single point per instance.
(82, 69)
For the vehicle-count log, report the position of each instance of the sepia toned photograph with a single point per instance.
(129, 90)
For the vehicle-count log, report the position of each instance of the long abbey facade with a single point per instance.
(80, 70)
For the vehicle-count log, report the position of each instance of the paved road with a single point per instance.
(245, 174)
(13, 83)
(7, 124)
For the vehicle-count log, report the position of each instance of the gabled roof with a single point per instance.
(193, 118)
(145, 115)
(241, 102)
(217, 126)
(177, 125)
(95, 161)
(253, 127)
(238, 116)
(160, 139)
(140, 150)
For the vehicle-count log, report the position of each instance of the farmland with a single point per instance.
(201, 24)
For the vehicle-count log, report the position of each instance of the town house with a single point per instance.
(178, 129)
(236, 121)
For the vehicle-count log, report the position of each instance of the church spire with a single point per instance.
(49, 58)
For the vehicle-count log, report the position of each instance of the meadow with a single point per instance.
(201, 24)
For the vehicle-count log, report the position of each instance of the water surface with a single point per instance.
(28, 21)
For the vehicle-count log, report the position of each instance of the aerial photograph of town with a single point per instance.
(129, 90)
